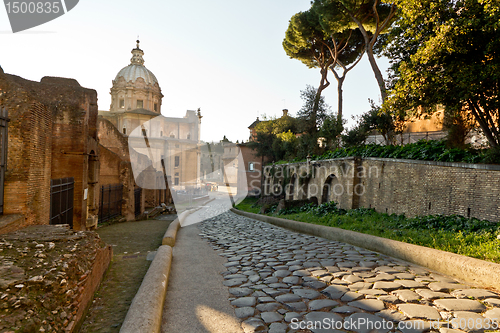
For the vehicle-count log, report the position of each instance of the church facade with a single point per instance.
(172, 144)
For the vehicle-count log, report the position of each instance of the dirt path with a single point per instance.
(131, 242)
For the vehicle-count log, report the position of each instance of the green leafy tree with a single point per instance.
(331, 129)
(305, 40)
(371, 17)
(447, 52)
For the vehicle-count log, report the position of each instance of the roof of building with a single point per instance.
(254, 123)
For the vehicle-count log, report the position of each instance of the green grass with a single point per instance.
(457, 234)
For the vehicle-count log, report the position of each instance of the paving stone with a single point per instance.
(351, 296)
(360, 285)
(389, 299)
(271, 317)
(346, 309)
(306, 293)
(387, 269)
(279, 285)
(474, 293)
(271, 279)
(368, 264)
(386, 285)
(335, 292)
(405, 276)
(372, 305)
(352, 278)
(365, 323)
(391, 315)
(254, 278)
(265, 299)
(282, 273)
(410, 283)
(419, 311)
(291, 280)
(459, 305)
(235, 276)
(319, 272)
(273, 292)
(314, 284)
(407, 295)
(470, 322)
(429, 294)
(493, 302)
(244, 312)
(493, 314)
(291, 315)
(244, 301)
(301, 272)
(445, 286)
(267, 307)
(372, 292)
(339, 282)
(326, 279)
(297, 306)
(238, 292)
(287, 298)
(234, 282)
(278, 328)
(322, 304)
(381, 277)
(320, 316)
(253, 325)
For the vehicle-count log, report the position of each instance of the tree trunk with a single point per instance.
(376, 71)
(340, 83)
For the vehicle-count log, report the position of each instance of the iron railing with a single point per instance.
(61, 201)
(110, 202)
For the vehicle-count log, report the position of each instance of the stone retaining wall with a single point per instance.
(392, 186)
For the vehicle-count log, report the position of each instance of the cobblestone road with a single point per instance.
(281, 281)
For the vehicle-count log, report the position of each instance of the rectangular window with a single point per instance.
(140, 104)
(176, 181)
(155, 107)
(177, 161)
(124, 130)
(122, 103)
(251, 166)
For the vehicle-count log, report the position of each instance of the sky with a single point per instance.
(222, 56)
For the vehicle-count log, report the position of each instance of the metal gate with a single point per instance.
(137, 200)
(61, 201)
(110, 202)
(3, 150)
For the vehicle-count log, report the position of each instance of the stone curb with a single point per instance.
(145, 312)
(468, 269)
(171, 233)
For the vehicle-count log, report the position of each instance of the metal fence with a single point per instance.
(4, 126)
(110, 202)
(61, 201)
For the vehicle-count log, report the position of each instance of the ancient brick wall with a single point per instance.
(27, 177)
(394, 186)
(52, 134)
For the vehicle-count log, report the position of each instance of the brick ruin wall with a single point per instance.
(51, 134)
(396, 186)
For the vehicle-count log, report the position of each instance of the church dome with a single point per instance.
(136, 69)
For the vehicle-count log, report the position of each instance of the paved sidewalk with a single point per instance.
(197, 300)
(280, 281)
